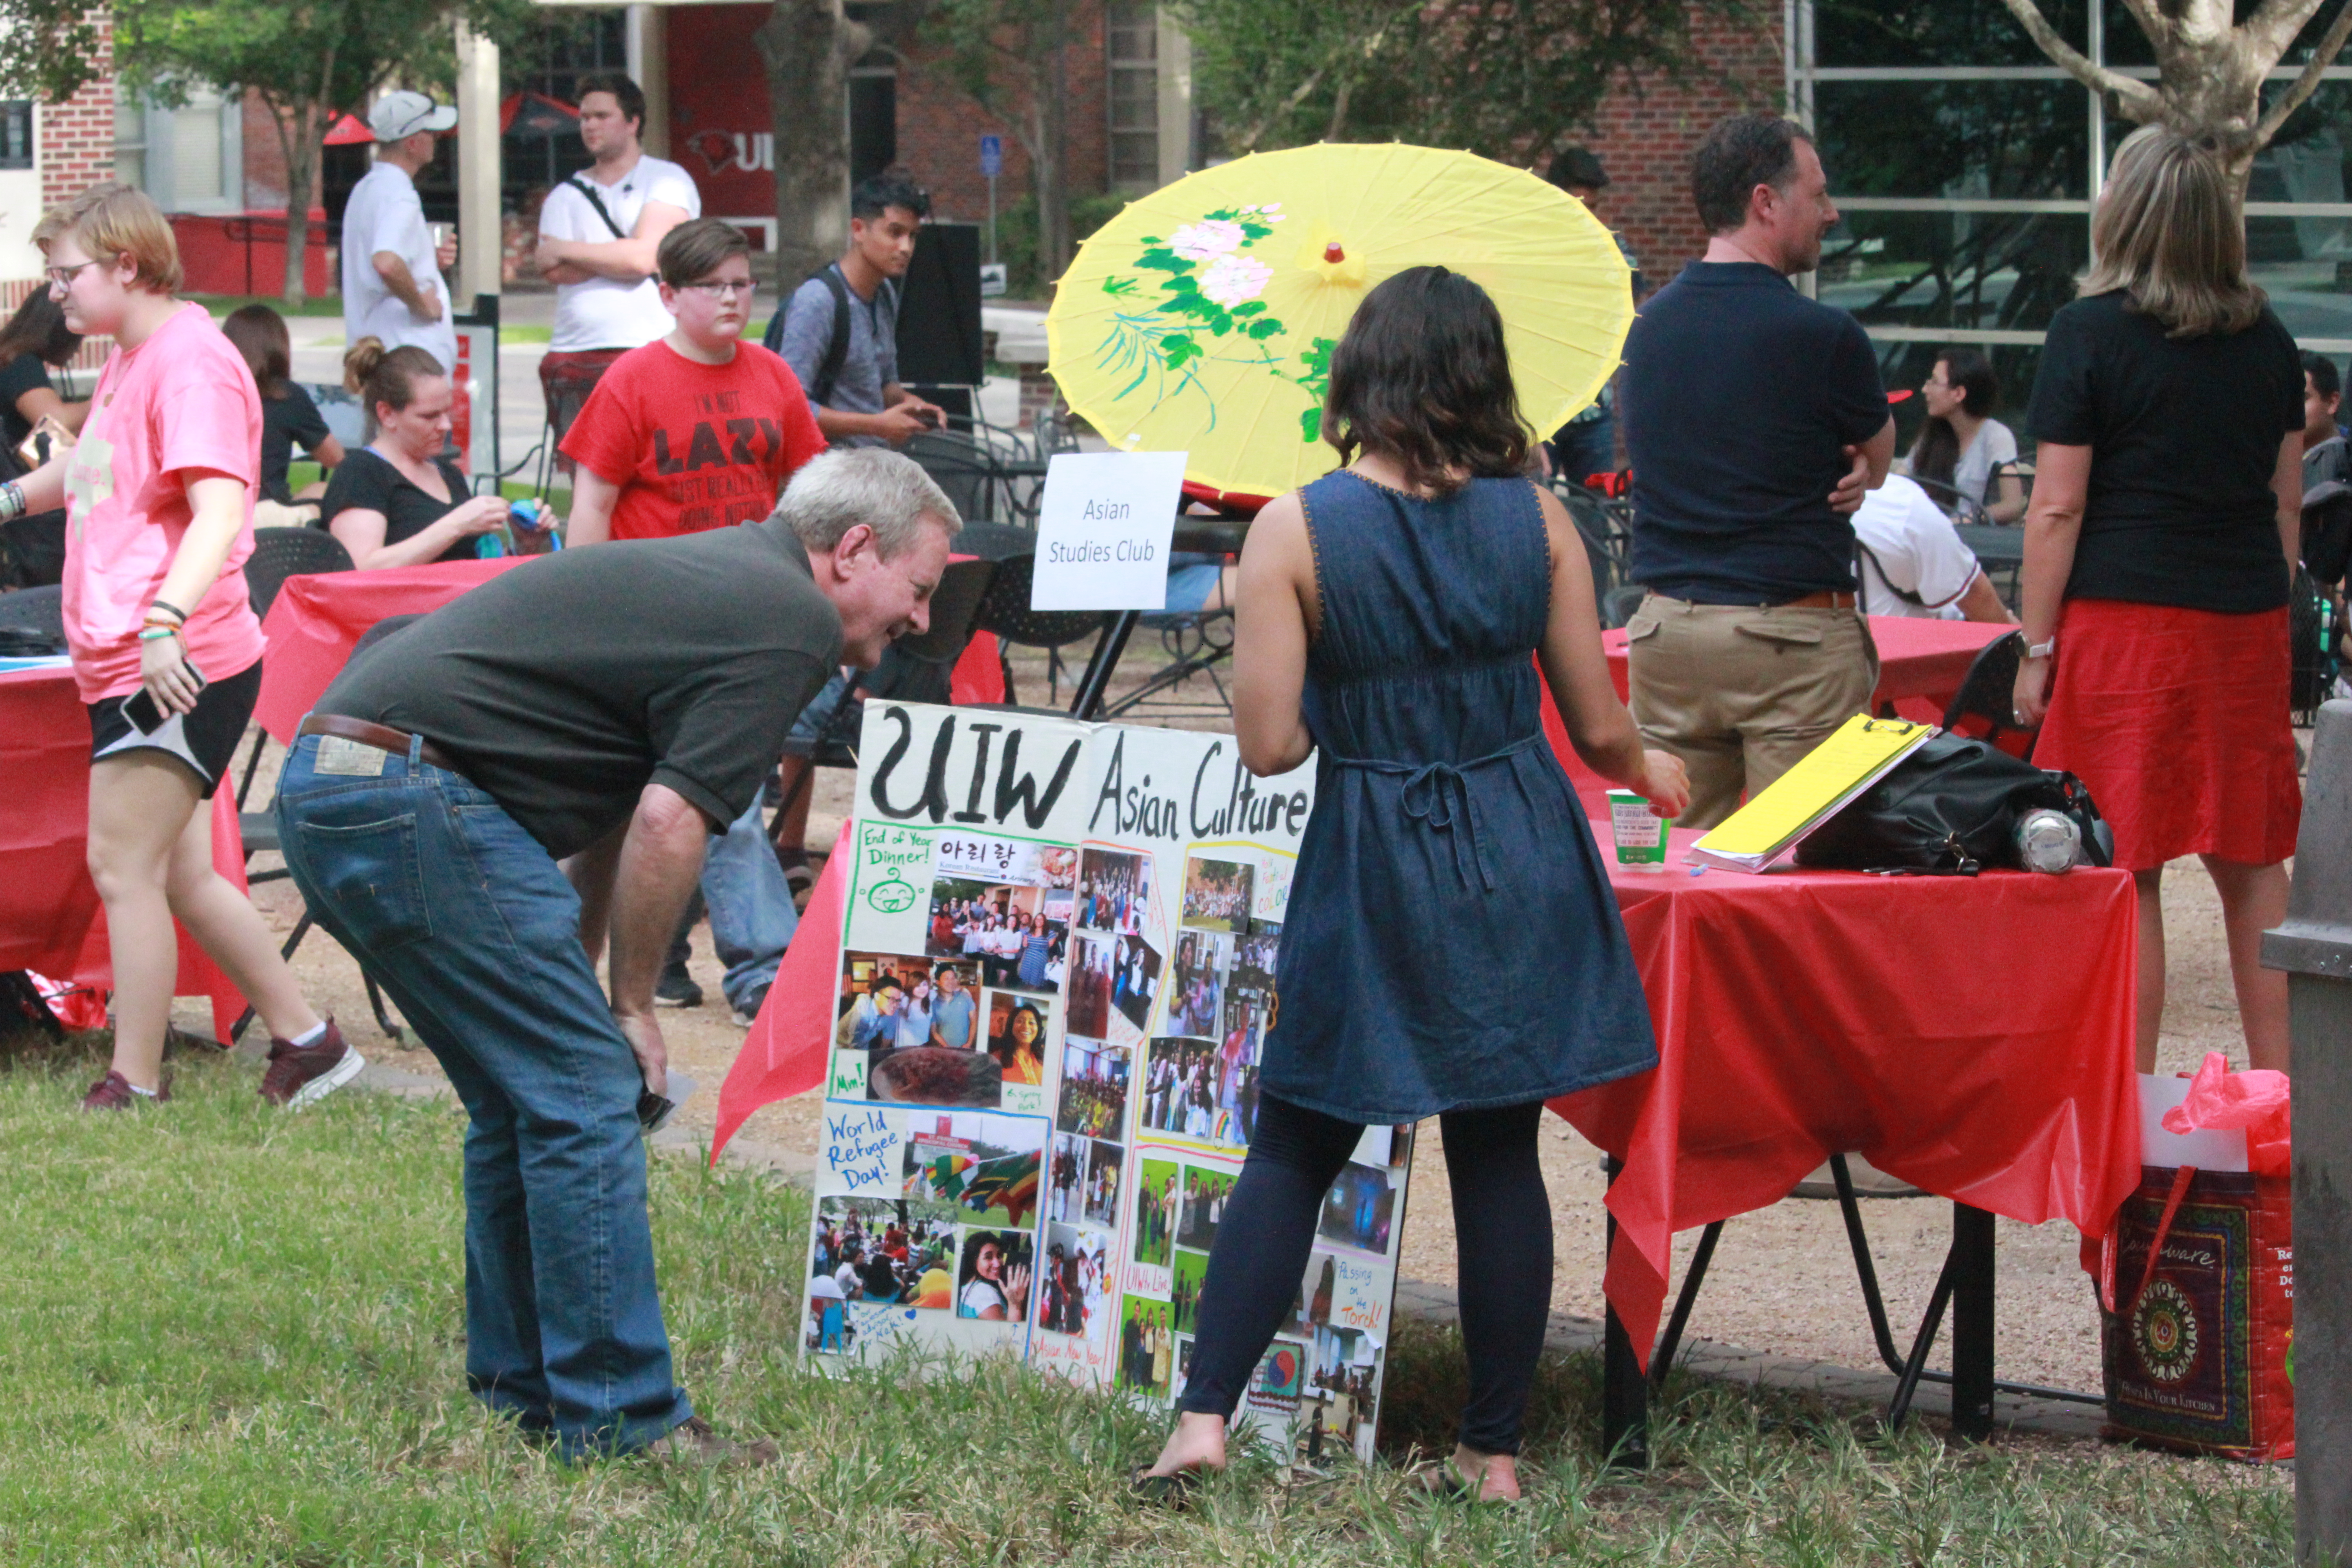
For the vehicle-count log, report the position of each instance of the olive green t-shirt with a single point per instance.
(566, 684)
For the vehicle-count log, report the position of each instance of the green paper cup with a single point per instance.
(1641, 838)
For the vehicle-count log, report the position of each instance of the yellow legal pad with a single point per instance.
(1850, 759)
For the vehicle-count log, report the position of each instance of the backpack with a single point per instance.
(1951, 806)
(836, 350)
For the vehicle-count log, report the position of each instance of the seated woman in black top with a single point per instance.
(288, 415)
(33, 549)
(397, 502)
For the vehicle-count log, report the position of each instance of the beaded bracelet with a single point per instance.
(157, 634)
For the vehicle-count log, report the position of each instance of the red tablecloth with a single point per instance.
(1971, 1035)
(1921, 664)
(50, 920)
(316, 620)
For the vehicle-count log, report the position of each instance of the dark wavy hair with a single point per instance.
(1938, 451)
(1421, 378)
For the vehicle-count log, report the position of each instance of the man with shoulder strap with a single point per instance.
(599, 232)
(839, 332)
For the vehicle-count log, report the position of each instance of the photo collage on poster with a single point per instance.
(1048, 1040)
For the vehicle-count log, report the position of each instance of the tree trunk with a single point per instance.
(299, 134)
(1052, 90)
(808, 46)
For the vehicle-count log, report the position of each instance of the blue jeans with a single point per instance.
(465, 919)
(750, 904)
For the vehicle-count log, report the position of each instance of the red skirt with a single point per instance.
(2177, 721)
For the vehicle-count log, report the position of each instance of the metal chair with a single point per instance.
(1006, 611)
(1985, 707)
(1608, 546)
(282, 552)
(33, 622)
(968, 469)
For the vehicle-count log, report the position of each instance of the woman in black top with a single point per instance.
(397, 502)
(288, 417)
(2165, 515)
(33, 549)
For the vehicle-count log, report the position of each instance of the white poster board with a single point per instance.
(1111, 899)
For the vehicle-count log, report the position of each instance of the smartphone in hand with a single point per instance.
(141, 708)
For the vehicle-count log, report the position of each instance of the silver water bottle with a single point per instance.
(2048, 841)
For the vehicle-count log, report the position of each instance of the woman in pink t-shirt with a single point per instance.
(166, 649)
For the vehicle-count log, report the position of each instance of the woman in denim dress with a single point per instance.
(1452, 947)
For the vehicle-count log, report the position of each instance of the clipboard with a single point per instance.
(1850, 759)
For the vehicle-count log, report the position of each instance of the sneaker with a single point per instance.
(304, 1075)
(676, 989)
(113, 1092)
(749, 1014)
(693, 1441)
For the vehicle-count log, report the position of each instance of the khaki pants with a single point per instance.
(1739, 693)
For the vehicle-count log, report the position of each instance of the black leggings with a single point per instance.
(1502, 1228)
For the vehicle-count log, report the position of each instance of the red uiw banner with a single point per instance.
(721, 128)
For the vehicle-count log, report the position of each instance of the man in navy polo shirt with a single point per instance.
(1755, 421)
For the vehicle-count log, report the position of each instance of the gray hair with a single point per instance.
(889, 493)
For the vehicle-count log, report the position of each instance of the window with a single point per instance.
(190, 156)
(1967, 164)
(16, 134)
(1131, 33)
(130, 141)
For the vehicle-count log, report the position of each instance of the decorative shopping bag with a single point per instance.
(2196, 1347)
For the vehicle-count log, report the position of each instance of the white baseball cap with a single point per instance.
(400, 115)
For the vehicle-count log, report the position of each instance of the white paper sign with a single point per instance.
(1103, 531)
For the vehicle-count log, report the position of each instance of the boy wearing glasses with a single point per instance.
(697, 429)
(700, 430)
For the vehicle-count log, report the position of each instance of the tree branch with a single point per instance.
(2274, 23)
(2331, 44)
(2139, 100)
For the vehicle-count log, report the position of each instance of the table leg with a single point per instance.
(1088, 703)
(1624, 1392)
(1972, 1321)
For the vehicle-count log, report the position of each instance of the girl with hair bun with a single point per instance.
(399, 500)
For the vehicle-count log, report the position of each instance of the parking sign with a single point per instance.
(992, 155)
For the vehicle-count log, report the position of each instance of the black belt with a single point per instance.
(382, 737)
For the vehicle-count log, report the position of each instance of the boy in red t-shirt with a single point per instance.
(698, 430)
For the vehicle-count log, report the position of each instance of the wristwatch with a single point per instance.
(2044, 648)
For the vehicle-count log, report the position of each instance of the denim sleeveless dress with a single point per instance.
(1451, 942)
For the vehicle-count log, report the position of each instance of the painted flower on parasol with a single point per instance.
(1203, 318)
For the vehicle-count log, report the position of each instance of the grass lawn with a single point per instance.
(232, 1336)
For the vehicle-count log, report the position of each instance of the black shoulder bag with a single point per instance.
(1951, 807)
(585, 189)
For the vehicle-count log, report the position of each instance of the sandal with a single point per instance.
(1446, 1479)
(1172, 1491)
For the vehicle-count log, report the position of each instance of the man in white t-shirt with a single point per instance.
(598, 233)
(392, 288)
(1913, 561)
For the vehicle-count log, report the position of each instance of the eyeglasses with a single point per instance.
(714, 290)
(63, 277)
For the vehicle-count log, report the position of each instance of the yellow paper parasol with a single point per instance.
(1202, 318)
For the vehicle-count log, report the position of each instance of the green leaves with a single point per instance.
(1177, 348)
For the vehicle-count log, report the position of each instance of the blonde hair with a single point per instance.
(111, 221)
(2168, 234)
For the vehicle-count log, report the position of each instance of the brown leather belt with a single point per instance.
(1826, 599)
(382, 737)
